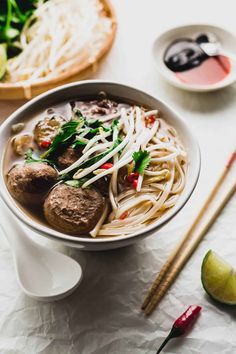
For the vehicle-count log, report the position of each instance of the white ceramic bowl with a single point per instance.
(92, 88)
(227, 40)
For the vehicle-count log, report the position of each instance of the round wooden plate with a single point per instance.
(15, 91)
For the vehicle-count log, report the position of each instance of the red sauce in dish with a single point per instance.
(192, 65)
(209, 72)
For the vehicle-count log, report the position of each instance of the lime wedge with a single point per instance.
(219, 279)
(3, 60)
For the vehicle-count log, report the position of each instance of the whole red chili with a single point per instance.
(107, 165)
(45, 144)
(182, 324)
(132, 177)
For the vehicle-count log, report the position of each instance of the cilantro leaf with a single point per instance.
(63, 137)
(142, 160)
(29, 158)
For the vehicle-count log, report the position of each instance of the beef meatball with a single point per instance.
(30, 182)
(68, 157)
(73, 210)
(47, 128)
(102, 184)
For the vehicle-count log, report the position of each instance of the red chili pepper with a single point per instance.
(135, 184)
(45, 144)
(149, 120)
(107, 165)
(124, 215)
(182, 324)
(132, 177)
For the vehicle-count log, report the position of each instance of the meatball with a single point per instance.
(47, 128)
(73, 210)
(102, 184)
(30, 182)
(68, 157)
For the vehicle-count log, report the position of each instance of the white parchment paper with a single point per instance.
(103, 315)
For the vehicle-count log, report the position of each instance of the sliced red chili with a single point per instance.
(135, 184)
(149, 120)
(124, 215)
(133, 176)
(107, 165)
(45, 144)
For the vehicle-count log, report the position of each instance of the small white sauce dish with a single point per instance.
(226, 39)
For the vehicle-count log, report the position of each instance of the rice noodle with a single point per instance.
(158, 187)
(59, 35)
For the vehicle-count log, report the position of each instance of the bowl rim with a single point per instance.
(54, 234)
(166, 73)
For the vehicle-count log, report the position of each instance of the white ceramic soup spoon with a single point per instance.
(43, 274)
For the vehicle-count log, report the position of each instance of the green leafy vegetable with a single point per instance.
(142, 160)
(98, 157)
(97, 130)
(63, 137)
(96, 127)
(66, 176)
(13, 16)
(77, 183)
(78, 113)
(29, 158)
(94, 123)
(114, 124)
(77, 143)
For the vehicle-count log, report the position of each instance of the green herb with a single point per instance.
(77, 183)
(68, 135)
(94, 123)
(13, 16)
(63, 137)
(97, 130)
(29, 158)
(66, 176)
(114, 124)
(77, 143)
(142, 160)
(98, 157)
(78, 113)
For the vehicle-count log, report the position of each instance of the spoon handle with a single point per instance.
(12, 229)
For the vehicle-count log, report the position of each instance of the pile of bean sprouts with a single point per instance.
(158, 188)
(59, 35)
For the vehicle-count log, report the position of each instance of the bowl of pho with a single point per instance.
(97, 165)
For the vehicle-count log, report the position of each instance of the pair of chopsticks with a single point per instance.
(188, 244)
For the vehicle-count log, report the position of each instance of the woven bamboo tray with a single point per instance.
(15, 91)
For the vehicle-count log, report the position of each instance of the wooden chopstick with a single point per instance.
(187, 237)
(186, 254)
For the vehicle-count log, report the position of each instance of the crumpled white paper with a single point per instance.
(103, 315)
